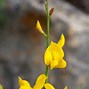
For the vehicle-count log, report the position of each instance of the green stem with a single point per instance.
(47, 38)
(46, 72)
(48, 23)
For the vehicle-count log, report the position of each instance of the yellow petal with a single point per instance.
(39, 28)
(65, 87)
(23, 82)
(20, 81)
(61, 64)
(48, 86)
(56, 51)
(61, 41)
(53, 64)
(48, 56)
(40, 82)
(25, 87)
(1, 87)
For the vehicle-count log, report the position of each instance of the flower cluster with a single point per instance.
(40, 83)
(54, 54)
(53, 58)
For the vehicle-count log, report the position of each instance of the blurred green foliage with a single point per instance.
(2, 13)
(2, 4)
(2, 18)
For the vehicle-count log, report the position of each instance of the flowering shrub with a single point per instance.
(53, 56)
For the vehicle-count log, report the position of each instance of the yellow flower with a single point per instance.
(39, 28)
(23, 82)
(40, 83)
(54, 54)
(65, 87)
(1, 87)
(61, 41)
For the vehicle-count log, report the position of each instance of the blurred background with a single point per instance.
(22, 47)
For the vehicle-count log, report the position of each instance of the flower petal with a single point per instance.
(48, 56)
(1, 87)
(57, 52)
(48, 86)
(61, 64)
(40, 81)
(53, 64)
(25, 87)
(39, 28)
(20, 81)
(23, 82)
(61, 41)
(65, 87)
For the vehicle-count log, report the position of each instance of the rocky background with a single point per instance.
(22, 47)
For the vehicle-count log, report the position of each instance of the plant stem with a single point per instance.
(47, 38)
(48, 23)
(46, 72)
